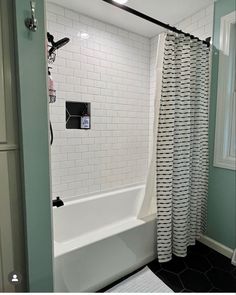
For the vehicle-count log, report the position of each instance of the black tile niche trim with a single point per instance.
(74, 112)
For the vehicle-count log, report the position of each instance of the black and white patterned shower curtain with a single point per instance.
(182, 146)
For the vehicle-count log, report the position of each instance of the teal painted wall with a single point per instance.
(222, 182)
(33, 111)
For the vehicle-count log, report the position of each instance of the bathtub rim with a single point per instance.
(93, 196)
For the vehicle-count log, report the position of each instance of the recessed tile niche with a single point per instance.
(74, 112)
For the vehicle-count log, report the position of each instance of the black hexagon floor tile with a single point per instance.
(193, 274)
(154, 266)
(103, 290)
(200, 248)
(217, 260)
(176, 265)
(214, 290)
(222, 280)
(195, 281)
(171, 280)
(197, 262)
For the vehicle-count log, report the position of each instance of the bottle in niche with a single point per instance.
(51, 89)
(85, 122)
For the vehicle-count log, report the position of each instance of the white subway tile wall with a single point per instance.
(200, 24)
(111, 70)
(114, 70)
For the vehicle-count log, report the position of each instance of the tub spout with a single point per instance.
(57, 202)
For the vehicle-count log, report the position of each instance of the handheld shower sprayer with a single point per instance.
(51, 59)
(55, 45)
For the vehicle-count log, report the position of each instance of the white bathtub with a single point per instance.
(99, 239)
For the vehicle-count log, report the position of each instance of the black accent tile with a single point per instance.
(195, 281)
(186, 291)
(171, 280)
(176, 265)
(197, 262)
(74, 112)
(73, 123)
(154, 266)
(217, 260)
(222, 280)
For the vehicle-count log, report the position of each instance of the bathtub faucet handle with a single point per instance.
(57, 202)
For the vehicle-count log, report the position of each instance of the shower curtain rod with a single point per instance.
(155, 21)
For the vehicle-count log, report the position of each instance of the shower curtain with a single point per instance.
(182, 146)
(149, 202)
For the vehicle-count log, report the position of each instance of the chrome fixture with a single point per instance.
(31, 22)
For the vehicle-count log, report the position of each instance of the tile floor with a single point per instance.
(203, 270)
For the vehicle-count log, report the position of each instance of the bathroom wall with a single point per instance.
(111, 70)
(200, 24)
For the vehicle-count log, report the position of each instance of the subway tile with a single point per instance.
(71, 15)
(113, 70)
(64, 21)
(56, 9)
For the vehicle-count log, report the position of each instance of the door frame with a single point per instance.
(12, 238)
(34, 144)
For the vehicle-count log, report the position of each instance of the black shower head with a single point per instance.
(56, 45)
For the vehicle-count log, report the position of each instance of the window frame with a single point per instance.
(223, 157)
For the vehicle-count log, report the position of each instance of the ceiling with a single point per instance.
(167, 11)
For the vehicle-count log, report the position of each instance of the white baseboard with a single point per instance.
(222, 249)
(234, 258)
